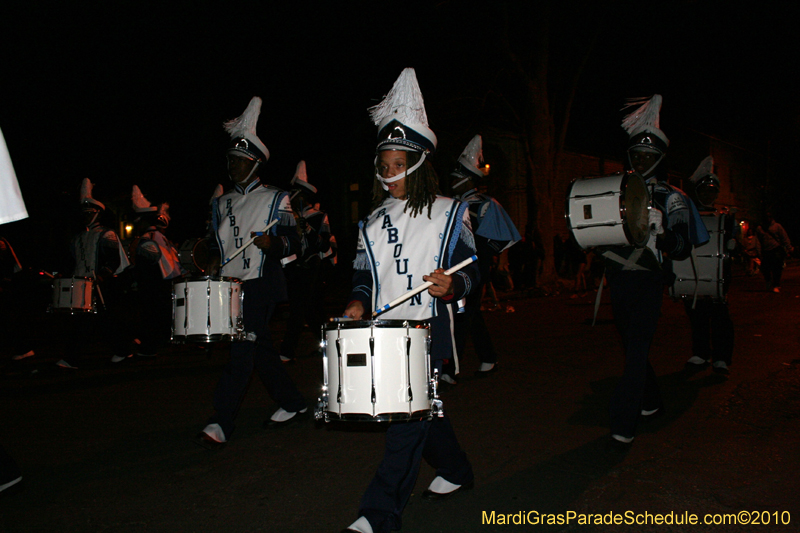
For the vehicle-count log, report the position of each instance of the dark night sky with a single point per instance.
(126, 92)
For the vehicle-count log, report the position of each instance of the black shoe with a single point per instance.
(299, 416)
(203, 440)
(431, 496)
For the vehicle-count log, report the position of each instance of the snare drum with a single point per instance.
(377, 371)
(72, 295)
(194, 255)
(207, 309)
(608, 210)
(709, 264)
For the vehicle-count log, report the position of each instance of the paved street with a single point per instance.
(109, 448)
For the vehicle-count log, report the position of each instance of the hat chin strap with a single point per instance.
(251, 171)
(649, 170)
(463, 180)
(411, 170)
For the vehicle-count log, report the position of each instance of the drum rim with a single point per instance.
(378, 323)
(423, 414)
(85, 278)
(207, 278)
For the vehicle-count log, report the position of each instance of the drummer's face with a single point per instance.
(392, 163)
(644, 161)
(707, 195)
(239, 169)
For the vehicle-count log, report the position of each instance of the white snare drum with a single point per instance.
(194, 255)
(709, 264)
(377, 371)
(608, 210)
(72, 295)
(207, 309)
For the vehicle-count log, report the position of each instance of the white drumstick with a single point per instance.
(424, 286)
(248, 243)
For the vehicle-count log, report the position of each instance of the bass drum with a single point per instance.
(194, 255)
(608, 210)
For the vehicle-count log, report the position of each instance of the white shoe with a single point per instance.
(623, 440)
(650, 412)
(441, 486)
(215, 433)
(282, 415)
(361, 526)
(447, 379)
(694, 360)
(27, 354)
(64, 364)
(119, 358)
(284, 359)
(486, 367)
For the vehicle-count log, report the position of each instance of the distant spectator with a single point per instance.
(775, 247)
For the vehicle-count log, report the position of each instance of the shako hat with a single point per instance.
(86, 199)
(244, 141)
(300, 178)
(401, 118)
(642, 125)
(470, 162)
(704, 175)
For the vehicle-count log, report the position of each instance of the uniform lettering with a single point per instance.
(405, 266)
(398, 249)
(410, 286)
(416, 299)
(238, 242)
(387, 222)
(232, 218)
(228, 203)
(380, 213)
(246, 262)
(236, 231)
(393, 235)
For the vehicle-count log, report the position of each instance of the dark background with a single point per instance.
(135, 93)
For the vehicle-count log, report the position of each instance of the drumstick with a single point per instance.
(424, 286)
(248, 243)
(340, 319)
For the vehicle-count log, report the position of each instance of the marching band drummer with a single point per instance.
(411, 236)
(96, 253)
(155, 263)
(238, 215)
(637, 276)
(712, 327)
(494, 232)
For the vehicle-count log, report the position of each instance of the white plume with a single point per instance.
(646, 116)
(247, 122)
(404, 102)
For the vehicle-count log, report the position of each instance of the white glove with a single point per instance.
(655, 221)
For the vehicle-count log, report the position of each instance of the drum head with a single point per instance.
(634, 202)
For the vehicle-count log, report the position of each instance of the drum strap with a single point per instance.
(599, 296)
(627, 264)
(696, 280)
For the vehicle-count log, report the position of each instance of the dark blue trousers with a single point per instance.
(247, 355)
(407, 443)
(712, 329)
(636, 303)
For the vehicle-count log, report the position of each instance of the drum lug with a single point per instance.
(339, 354)
(408, 367)
(373, 395)
(437, 407)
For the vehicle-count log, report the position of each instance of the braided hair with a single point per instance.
(422, 186)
